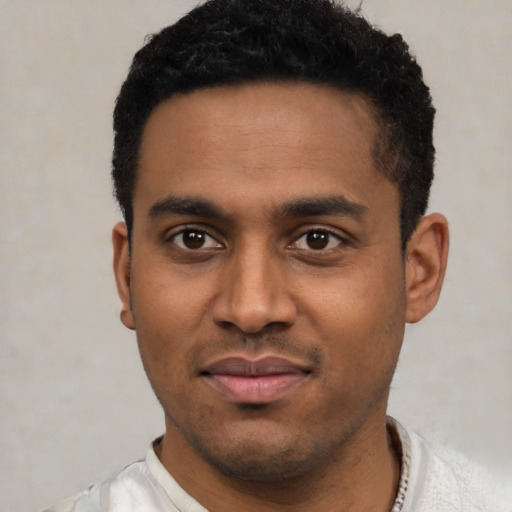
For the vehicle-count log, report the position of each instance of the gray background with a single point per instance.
(75, 405)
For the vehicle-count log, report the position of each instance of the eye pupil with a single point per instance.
(193, 239)
(317, 239)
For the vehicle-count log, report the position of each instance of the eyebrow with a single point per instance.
(330, 205)
(303, 207)
(184, 206)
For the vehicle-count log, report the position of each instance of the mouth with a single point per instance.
(260, 381)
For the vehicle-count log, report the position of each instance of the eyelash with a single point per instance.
(343, 241)
(192, 229)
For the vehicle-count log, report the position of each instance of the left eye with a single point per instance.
(317, 240)
(194, 239)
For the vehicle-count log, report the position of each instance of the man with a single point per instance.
(273, 160)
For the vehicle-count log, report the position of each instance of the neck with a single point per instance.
(361, 477)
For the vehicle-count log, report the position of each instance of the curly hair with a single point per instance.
(228, 42)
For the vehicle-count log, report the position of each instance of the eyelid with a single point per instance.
(171, 235)
(344, 239)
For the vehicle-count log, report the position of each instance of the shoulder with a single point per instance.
(442, 479)
(133, 489)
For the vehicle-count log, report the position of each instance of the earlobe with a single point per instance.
(425, 266)
(122, 272)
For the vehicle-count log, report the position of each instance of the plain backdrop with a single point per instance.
(75, 404)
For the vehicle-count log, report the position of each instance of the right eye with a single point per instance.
(192, 239)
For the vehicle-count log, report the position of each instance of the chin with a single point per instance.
(267, 458)
(277, 466)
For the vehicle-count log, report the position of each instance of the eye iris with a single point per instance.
(317, 240)
(193, 239)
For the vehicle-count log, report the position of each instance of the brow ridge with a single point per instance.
(172, 205)
(328, 205)
(301, 207)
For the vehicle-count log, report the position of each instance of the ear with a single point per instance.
(122, 272)
(425, 266)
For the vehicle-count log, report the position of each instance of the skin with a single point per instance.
(298, 255)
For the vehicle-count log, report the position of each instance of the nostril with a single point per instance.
(227, 325)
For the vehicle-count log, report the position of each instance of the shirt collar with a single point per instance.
(402, 445)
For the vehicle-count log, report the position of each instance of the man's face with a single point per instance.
(266, 277)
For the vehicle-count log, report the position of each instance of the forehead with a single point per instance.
(274, 139)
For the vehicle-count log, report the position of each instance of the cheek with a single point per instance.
(360, 316)
(164, 320)
(164, 298)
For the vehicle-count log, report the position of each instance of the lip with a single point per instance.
(245, 381)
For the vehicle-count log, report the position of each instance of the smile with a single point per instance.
(254, 382)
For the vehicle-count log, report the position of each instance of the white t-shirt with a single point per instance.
(433, 479)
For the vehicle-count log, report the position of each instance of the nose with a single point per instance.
(253, 292)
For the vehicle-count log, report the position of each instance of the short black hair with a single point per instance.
(228, 42)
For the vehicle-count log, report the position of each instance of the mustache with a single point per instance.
(255, 345)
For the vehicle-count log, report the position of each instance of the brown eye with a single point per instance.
(317, 239)
(194, 239)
